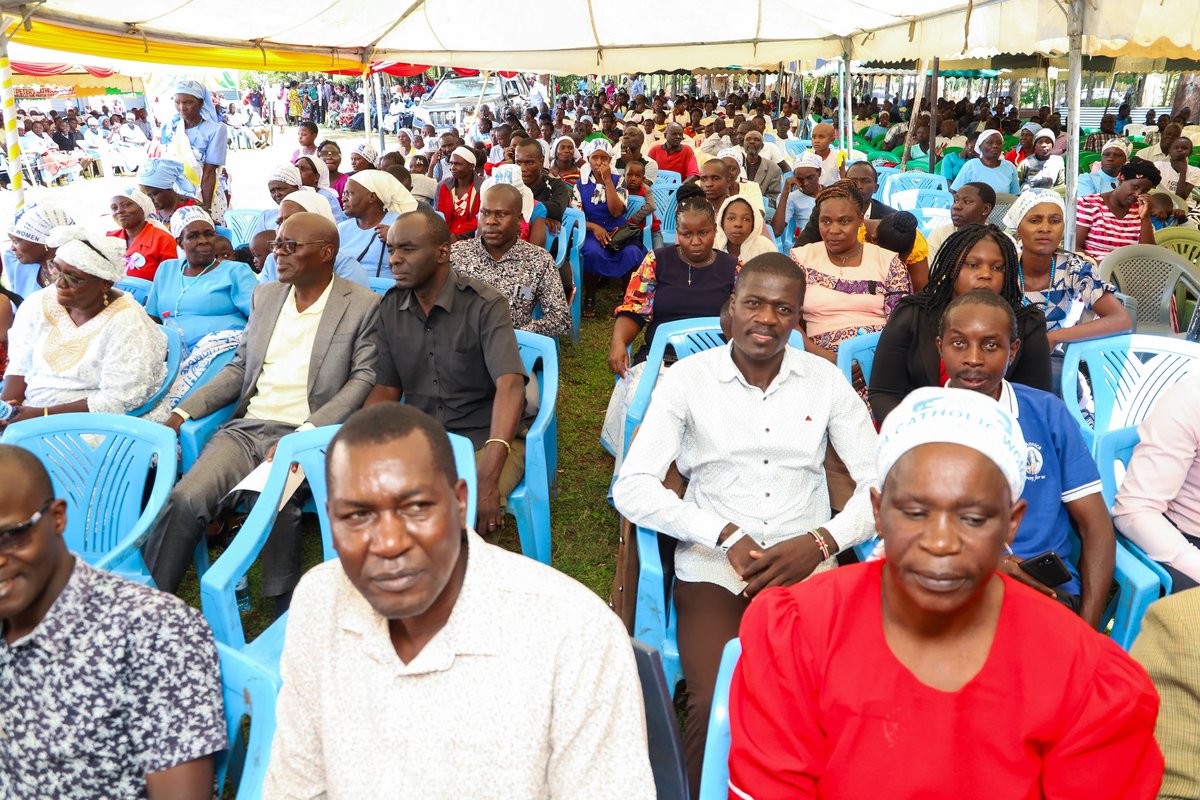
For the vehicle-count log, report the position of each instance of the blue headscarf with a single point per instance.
(197, 90)
(164, 173)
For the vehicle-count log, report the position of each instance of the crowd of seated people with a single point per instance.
(390, 299)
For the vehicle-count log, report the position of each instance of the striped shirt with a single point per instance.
(1105, 232)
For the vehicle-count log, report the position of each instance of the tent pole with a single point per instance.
(779, 92)
(933, 118)
(1074, 74)
(1112, 84)
(376, 79)
(847, 123)
(9, 102)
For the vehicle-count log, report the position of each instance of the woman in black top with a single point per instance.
(975, 257)
(687, 280)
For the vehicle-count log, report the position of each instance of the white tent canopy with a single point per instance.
(616, 36)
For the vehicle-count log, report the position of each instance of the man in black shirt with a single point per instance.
(446, 344)
(554, 193)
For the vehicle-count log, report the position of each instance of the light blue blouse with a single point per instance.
(197, 306)
(1002, 178)
(364, 245)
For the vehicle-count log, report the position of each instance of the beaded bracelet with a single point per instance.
(820, 543)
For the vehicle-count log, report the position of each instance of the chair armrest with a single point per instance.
(1139, 588)
(195, 433)
(650, 617)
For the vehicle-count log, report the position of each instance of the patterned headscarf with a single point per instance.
(34, 222)
(286, 173)
(511, 175)
(368, 153)
(90, 252)
(165, 173)
(185, 216)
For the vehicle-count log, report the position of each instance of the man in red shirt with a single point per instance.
(929, 658)
(673, 156)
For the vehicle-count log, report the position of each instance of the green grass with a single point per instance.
(583, 523)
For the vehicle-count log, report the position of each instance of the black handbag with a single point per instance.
(622, 237)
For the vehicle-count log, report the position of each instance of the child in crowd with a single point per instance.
(260, 247)
(634, 183)
(1163, 213)
(223, 250)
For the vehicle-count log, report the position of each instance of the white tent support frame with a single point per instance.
(1075, 13)
(8, 100)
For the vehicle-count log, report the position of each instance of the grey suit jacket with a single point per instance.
(341, 372)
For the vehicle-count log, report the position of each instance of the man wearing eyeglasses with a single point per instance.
(307, 359)
(110, 689)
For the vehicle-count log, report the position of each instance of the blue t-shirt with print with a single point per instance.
(1058, 470)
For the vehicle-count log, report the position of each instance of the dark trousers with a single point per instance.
(709, 616)
(234, 451)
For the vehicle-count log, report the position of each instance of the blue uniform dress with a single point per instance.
(202, 304)
(596, 259)
(209, 139)
(1058, 470)
(1002, 178)
(20, 278)
(1096, 183)
(364, 246)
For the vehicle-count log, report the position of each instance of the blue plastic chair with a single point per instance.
(668, 178)
(250, 692)
(714, 779)
(930, 218)
(381, 285)
(195, 433)
(101, 465)
(912, 199)
(1112, 448)
(1126, 376)
(881, 174)
(899, 181)
(569, 242)
(529, 502)
(174, 359)
(861, 349)
(770, 137)
(632, 205)
(241, 222)
(654, 619)
(217, 594)
(664, 202)
(137, 288)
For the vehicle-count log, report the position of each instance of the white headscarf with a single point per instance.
(1025, 202)
(34, 222)
(954, 416)
(311, 202)
(89, 251)
(466, 154)
(322, 170)
(736, 153)
(1119, 144)
(809, 160)
(511, 174)
(185, 216)
(985, 135)
(756, 244)
(1046, 133)
(138, 196)
(286, 173)
(554, 149)
(390, 191)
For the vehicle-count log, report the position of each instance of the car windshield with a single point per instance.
(463, 89)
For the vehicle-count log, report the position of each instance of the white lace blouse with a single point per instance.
(115, 360)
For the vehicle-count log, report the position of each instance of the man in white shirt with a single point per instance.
(425, 662)
(747, 425)
(307, 359)
(538, 96)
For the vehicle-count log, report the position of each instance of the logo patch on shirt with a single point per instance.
(1033, 462)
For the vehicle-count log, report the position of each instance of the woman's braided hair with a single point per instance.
(840, 190)
(947, 265)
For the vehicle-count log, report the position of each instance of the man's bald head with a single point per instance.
(311, 263)
(306, 226)
(23, 473)
(505, 195)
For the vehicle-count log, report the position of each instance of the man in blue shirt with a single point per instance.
(951, 164)
(1112, 158)
(977, 338)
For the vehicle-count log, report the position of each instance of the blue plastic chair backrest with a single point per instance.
(1125, 375)
(633, 204)
(898, 181)
(881, 173)
(137, 288)
(573, 223)
(860, 348)
(241, 221)
(664, 208)
(668, 177)
(381, 285)
(100, 464)
(685, 336)
(714, 779)
(539, 354)
(770, 137)
(174, 359)
(930, 218)
(249, 692)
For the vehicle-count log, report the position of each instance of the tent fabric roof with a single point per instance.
(584, 36)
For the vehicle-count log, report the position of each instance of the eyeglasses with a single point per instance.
(71, 281)
(18, 536)
(288, 246)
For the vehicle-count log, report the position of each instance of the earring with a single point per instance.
(106, 300)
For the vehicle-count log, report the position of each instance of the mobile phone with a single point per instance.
(1047, 568)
